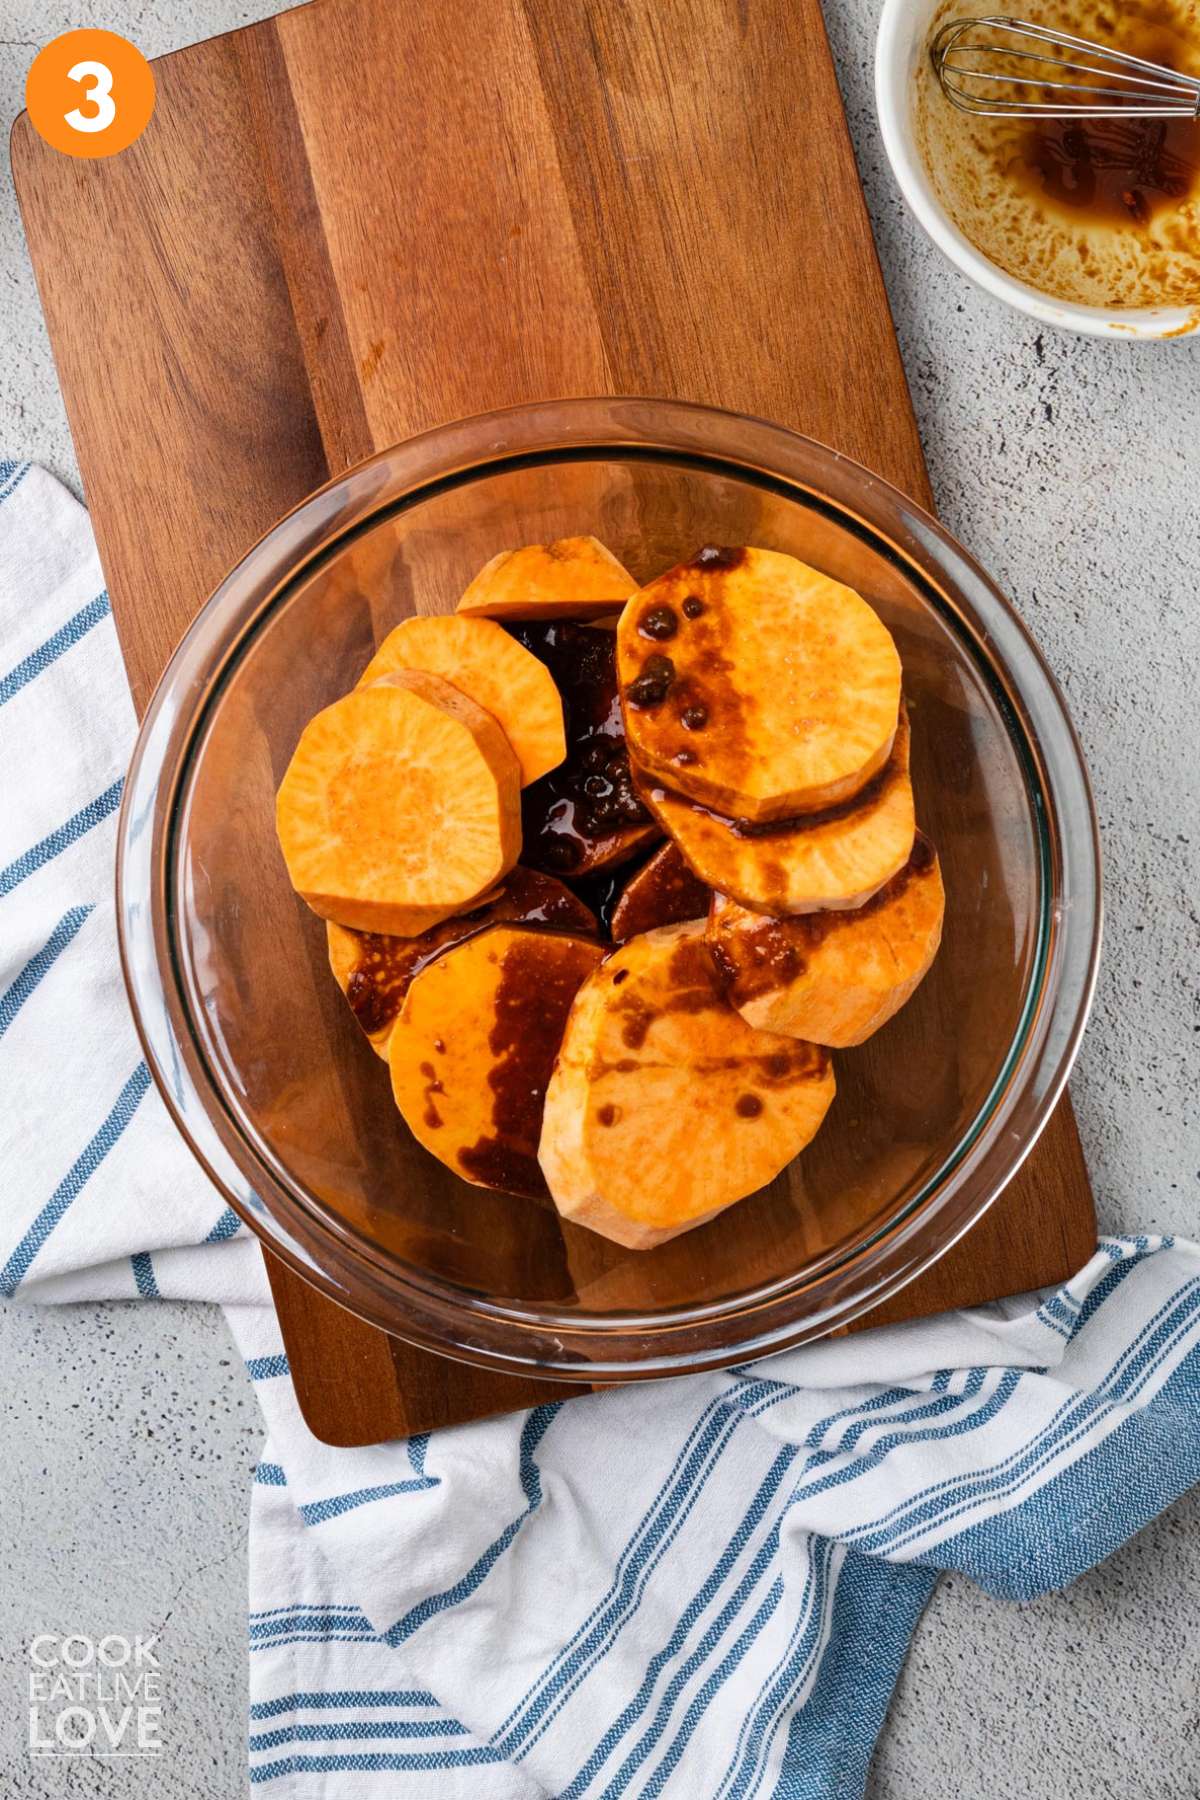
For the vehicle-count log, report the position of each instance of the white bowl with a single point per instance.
(902, 44)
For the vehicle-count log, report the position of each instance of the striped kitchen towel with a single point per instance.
(698, 1589)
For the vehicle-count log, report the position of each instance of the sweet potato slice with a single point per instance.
(757, 685)
(400, 807)
(472, 1050)
(375, 972)
(483, 661)
(584, 815)
(821, 861)
(662, 892)
(573, 578)
(833, 977)
(665, 1106)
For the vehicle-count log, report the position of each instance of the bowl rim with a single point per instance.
(902, 26)
(618, 1345)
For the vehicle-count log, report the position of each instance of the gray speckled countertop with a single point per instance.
(1072, 470)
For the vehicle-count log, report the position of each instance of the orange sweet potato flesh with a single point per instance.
(483, 661)
(473, 1047)
(833, 977)
(756, 685)
(375, 972)
(817, 862)
(665, 1106)
(662, 892)
(400, 807)
(573, 578)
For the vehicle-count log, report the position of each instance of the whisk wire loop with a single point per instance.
(1146, 90)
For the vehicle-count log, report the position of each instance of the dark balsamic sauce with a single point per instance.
(388, 966)
(652, 684)
(1117, 171)
(892, 771)
(693, 985)
(761, 958)
(662, 892)
(433, 1085)
(658, 622)
(602, 892)
(531, 1007)
(688, 710)
(585, 813)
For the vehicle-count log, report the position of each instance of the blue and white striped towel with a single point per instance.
(702, 1588)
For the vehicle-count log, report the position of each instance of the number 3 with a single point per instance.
(99, 95)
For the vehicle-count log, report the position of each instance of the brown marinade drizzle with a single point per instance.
(433, 1085)
(662, 892)
(757, 959)
(771, 828)
(532, 1003)
(691, 709)
(893, 770)
(585, 812)
(1117, 171)
(695, 986)
(658, 622)
(698, 981)
(388, 966)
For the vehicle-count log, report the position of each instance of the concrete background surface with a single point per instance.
(1072, 470)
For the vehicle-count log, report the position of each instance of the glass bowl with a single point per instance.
(285, 1104)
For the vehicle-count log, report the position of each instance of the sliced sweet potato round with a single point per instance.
(474, 1044)
(833, 977)
(400, 807)
(756, 685)
(663, 891)
(485, 662)
(818, 862)
(375, 971)
(665, 1106)
(573, 578)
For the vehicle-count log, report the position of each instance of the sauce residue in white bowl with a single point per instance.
(1100, 213)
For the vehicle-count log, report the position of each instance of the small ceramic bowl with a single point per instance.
(904, 32)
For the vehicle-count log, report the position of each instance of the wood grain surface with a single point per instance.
(359, 220)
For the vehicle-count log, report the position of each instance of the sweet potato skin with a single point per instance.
(572, 578)
(665, 1107)
(471, 1052)
(483, 661)
(400, 806)
(818, 862)
(833, 978)
(756, 685)
(375, 971)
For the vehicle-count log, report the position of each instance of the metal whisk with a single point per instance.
(1008, 68)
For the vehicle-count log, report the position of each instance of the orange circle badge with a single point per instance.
(90, 93)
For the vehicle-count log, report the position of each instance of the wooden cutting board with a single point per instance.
(361, 219)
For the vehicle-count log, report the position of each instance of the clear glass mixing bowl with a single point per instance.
(260, 1060)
